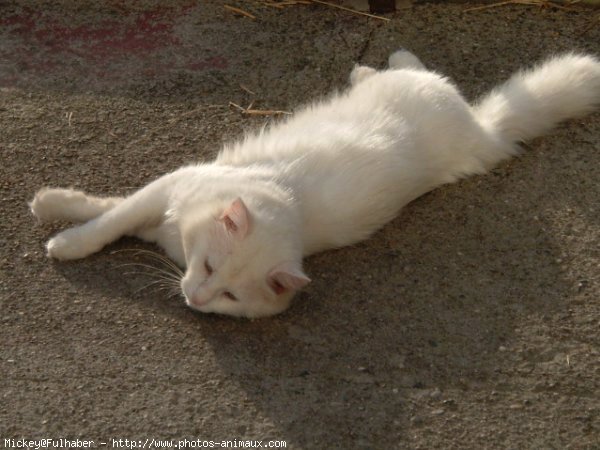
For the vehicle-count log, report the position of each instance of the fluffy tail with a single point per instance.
(531, 102)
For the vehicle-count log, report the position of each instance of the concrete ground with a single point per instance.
(471, 321)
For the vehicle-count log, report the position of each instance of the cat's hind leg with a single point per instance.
(67, 204)
(403, 59)
(360, 73)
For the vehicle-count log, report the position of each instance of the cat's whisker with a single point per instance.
(171, 291)
(164, 272)
(160, 258)
(152, 283)
(155, 256)
(165, 278)
(169, 281)
(173, 294)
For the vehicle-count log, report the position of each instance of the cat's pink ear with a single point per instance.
(236, 219)
(286, 276)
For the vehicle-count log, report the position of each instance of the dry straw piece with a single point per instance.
(258, 112)
(284, 3)
(239, 11)
(333, 5)
(540, 3)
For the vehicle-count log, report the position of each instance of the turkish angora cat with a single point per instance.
(330, 176)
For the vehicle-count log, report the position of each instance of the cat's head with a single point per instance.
(239, 263)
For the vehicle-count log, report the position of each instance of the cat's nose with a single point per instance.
(199, 300)
(195, 295)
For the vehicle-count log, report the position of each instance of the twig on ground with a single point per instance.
(540, 3)
(333, 5)
(258, 112)
(244, 88)
(283, 4)
(240, 11)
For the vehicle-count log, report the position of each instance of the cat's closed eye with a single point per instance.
(208, 267)
(230, 296)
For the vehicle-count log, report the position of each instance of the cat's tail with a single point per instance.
(531, 102)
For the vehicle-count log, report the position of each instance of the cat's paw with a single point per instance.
(403, 59)
(70, 244)
(51, 204)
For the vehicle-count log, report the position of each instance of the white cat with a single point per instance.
(329, 176)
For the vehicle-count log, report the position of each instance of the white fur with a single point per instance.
(330, 176)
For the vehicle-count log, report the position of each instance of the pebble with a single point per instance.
(416, 420)
(435, 394)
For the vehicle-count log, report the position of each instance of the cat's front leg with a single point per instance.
(145, 208)
(68, 204)
(73, 243)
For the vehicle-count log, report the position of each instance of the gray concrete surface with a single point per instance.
(471, 321)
